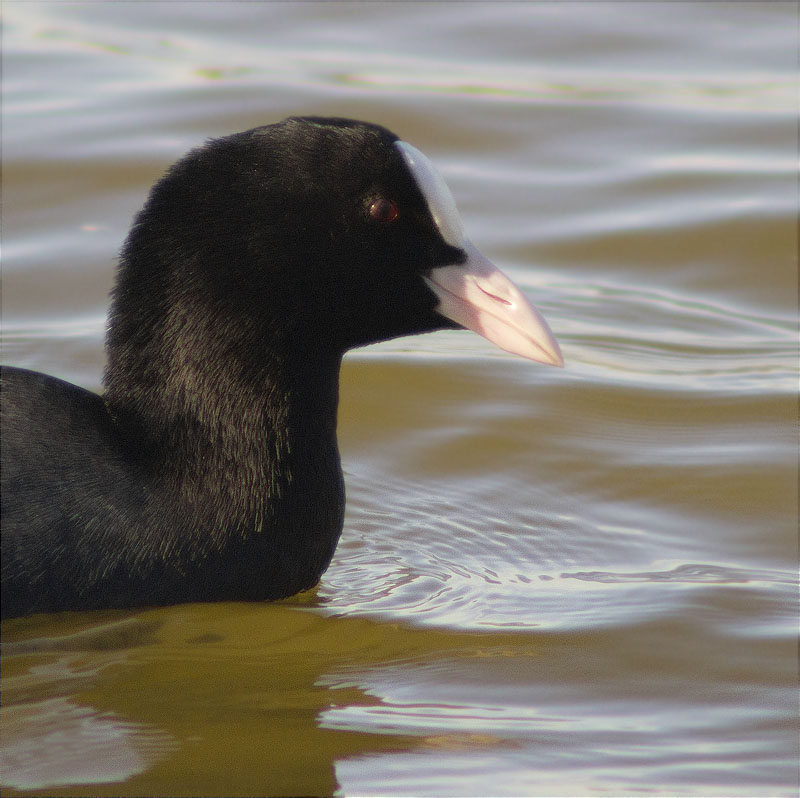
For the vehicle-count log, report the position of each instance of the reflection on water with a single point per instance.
(83, 747)
(550, 582)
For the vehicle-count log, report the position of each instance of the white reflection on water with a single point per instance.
(57, 743)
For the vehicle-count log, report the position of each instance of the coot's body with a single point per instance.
(209, 469)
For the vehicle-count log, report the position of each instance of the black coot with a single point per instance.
(209, 469)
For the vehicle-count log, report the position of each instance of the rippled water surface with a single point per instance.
(575, 582)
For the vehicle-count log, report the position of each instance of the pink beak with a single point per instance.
(478, 296)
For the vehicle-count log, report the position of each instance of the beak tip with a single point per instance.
(554, 358)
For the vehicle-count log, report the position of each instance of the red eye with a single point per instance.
(383, 210)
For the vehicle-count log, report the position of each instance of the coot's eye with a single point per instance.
(383, 210)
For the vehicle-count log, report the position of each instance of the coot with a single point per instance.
(209, 468)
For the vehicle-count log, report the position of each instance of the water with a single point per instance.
(575, 582)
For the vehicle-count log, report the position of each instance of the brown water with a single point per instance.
(577, 582)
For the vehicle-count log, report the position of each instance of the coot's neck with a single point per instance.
(239, 443)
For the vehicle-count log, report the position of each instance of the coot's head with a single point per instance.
(313, 234)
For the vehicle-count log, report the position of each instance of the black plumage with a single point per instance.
(209, 468)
